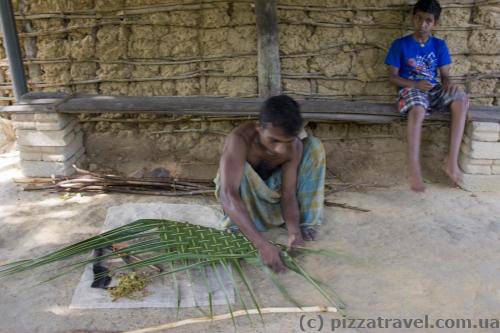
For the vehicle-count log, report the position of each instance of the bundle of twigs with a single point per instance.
(87, 181)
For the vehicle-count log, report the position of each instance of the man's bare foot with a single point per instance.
(416, 184)
(454, 172)
(308, 233)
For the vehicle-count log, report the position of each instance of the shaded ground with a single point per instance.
(436, 253)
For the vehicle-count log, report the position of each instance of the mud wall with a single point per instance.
(139, 48)
(336, 49)
(329, 49)
(355, 152)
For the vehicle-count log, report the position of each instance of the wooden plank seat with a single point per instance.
(312, 109)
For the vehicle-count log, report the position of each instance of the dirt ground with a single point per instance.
(435, 254)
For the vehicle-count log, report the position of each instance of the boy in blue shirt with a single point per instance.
(414, 61)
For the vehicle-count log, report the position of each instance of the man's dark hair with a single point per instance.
(281, 111)
(428, 6)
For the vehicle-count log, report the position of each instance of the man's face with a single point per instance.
(423, 23)
(274, 140)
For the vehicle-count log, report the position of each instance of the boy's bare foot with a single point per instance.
(416, 184)
(453, 171)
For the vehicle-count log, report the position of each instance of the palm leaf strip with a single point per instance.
(171, 242)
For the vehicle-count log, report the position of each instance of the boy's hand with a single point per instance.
(424, 85)
(451, 88)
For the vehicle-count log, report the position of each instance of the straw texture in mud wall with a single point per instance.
(329, 48)
(336, 49)
(146, 48)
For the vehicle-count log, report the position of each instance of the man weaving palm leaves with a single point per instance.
(268, 176)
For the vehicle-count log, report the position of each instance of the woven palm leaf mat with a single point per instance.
(162, 292)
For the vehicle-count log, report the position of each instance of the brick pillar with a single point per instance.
(49, 143)
(480, 157)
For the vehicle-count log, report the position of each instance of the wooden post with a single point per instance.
(11, 45)
(268, 59)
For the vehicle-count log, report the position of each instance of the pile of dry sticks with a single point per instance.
(86, 181)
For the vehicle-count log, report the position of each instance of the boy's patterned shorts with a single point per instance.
(434, 100)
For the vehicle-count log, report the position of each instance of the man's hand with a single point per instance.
(424, 85)
(295, 239)
(271, 257)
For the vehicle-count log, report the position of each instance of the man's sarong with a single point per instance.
(262, 197)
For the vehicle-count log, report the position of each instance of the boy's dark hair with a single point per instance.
(428, 6)
(281, 111)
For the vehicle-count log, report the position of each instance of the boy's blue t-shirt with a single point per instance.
(416, 62)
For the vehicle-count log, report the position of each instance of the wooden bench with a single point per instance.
(312, 109)
(51, 141)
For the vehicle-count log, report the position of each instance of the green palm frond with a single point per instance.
(179, 247)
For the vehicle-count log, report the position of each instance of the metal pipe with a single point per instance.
(11, 44)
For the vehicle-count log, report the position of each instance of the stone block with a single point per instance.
(30, 156)
(485, 126)
(475, 169)
(50, 117)
(62, 157)
(48, 138)
(23, 117)
(24, 125)
(52, 121)
(480, 183)
(484, 136)
(52, 154)
(23, 121)
(468, 160)
(483, 131)
(47, 169)
(495, 169)
(480, 149)
(51, 126)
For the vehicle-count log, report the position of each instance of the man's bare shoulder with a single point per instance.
(243, 134)
(296, 150)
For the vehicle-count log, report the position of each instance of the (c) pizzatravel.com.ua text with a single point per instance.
(318, 323)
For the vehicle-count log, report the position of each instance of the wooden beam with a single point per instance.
(162, 104)
(268, 58)
(312, 109)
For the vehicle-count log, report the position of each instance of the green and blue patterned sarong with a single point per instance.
(262, 197)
